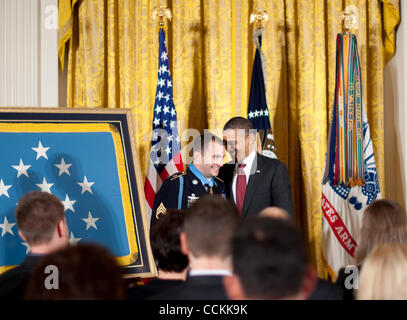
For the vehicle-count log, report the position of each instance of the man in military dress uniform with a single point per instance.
(181, 189)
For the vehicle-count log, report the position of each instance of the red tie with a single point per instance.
(240, 187)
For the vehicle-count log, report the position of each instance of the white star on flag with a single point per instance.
(7, 227)
(160, 95)
(154, 136)
(4, 188)
(158, 109)
(166, 109)
(68, 204)
(90, 221)
(156, 121)
(44, 186)
(63, 167)
(169, 83)
(73, 240)
(172, 112)
(161, 82)
(164, 56)
(86, 185)
(167, 97)
(25, 244)
(22, 169)
(41, 151)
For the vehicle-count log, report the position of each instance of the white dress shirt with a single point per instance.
(248, 161)
(212, 272)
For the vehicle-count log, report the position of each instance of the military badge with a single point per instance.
(191, 199)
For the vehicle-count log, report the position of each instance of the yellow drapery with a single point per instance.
(112, 63)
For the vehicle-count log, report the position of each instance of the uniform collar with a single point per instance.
(200, 176)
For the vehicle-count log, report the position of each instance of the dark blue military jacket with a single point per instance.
(180, 190)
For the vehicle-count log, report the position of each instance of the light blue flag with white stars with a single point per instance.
(83, 165)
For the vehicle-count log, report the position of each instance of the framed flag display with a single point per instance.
(86, 157)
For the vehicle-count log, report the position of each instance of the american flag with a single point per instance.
(165, 153)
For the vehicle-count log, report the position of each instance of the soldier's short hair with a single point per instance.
(201, 142)
(38, 214)
(209, 225)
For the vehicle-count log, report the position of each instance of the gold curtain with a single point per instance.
(112, 63)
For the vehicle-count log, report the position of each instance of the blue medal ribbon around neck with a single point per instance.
(200, 176)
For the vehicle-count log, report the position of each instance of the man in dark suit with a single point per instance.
(41, 223)
(252, 180)
(209, 225)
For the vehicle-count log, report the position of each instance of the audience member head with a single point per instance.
(165, 243)
(384, 274)
(208, 227)
(275, 212)
(84, 271)
(41, 222)
(240, 138)
(383, 221)
(269, 261)
(208, 154)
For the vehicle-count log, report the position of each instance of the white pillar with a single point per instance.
(28, 53)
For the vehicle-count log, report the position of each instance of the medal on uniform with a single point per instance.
(191, 199)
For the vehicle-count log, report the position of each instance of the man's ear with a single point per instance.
(184, 243)
(252, 138)
(309, 283)
(197, 157)
(233, 287)
(62, 228)
(22, 236)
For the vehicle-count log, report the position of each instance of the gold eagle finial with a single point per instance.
(350, 18)
(162, 12)
(258, 16)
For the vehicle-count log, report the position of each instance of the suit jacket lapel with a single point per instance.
(251, 185)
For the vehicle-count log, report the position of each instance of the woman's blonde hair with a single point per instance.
(384, 274)
(383, 221)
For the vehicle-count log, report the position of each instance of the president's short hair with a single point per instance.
(209, 225)
(238, 123)
(269, 257)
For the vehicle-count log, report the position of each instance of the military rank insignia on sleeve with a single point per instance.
(161, 210)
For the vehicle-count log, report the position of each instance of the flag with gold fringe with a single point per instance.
(350, 181)
(257, 112)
